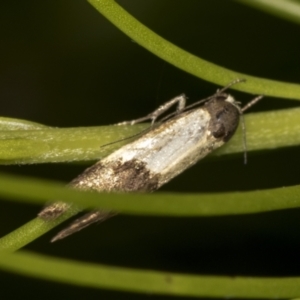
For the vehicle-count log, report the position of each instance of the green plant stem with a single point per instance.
(24, 189)
(148, 281)
(186, 61)
(267, 130)
(158, 204)
(30, 231)
(285, 9)
(42, 144)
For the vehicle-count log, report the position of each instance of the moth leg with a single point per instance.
(179, 100)
(82, 222)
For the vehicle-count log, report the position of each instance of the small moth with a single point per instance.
(168, 148)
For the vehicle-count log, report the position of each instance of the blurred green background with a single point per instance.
(63, 64)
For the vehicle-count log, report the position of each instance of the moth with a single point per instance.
(169, 147)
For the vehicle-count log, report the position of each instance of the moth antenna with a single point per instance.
(251, 103)
(238, 80)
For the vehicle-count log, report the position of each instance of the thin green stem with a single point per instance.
(30, 231)
(285, 9)
(164, 204)
(24, 189)
(148, 281)
(264, 131)
(186, 61)
(40, 144)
